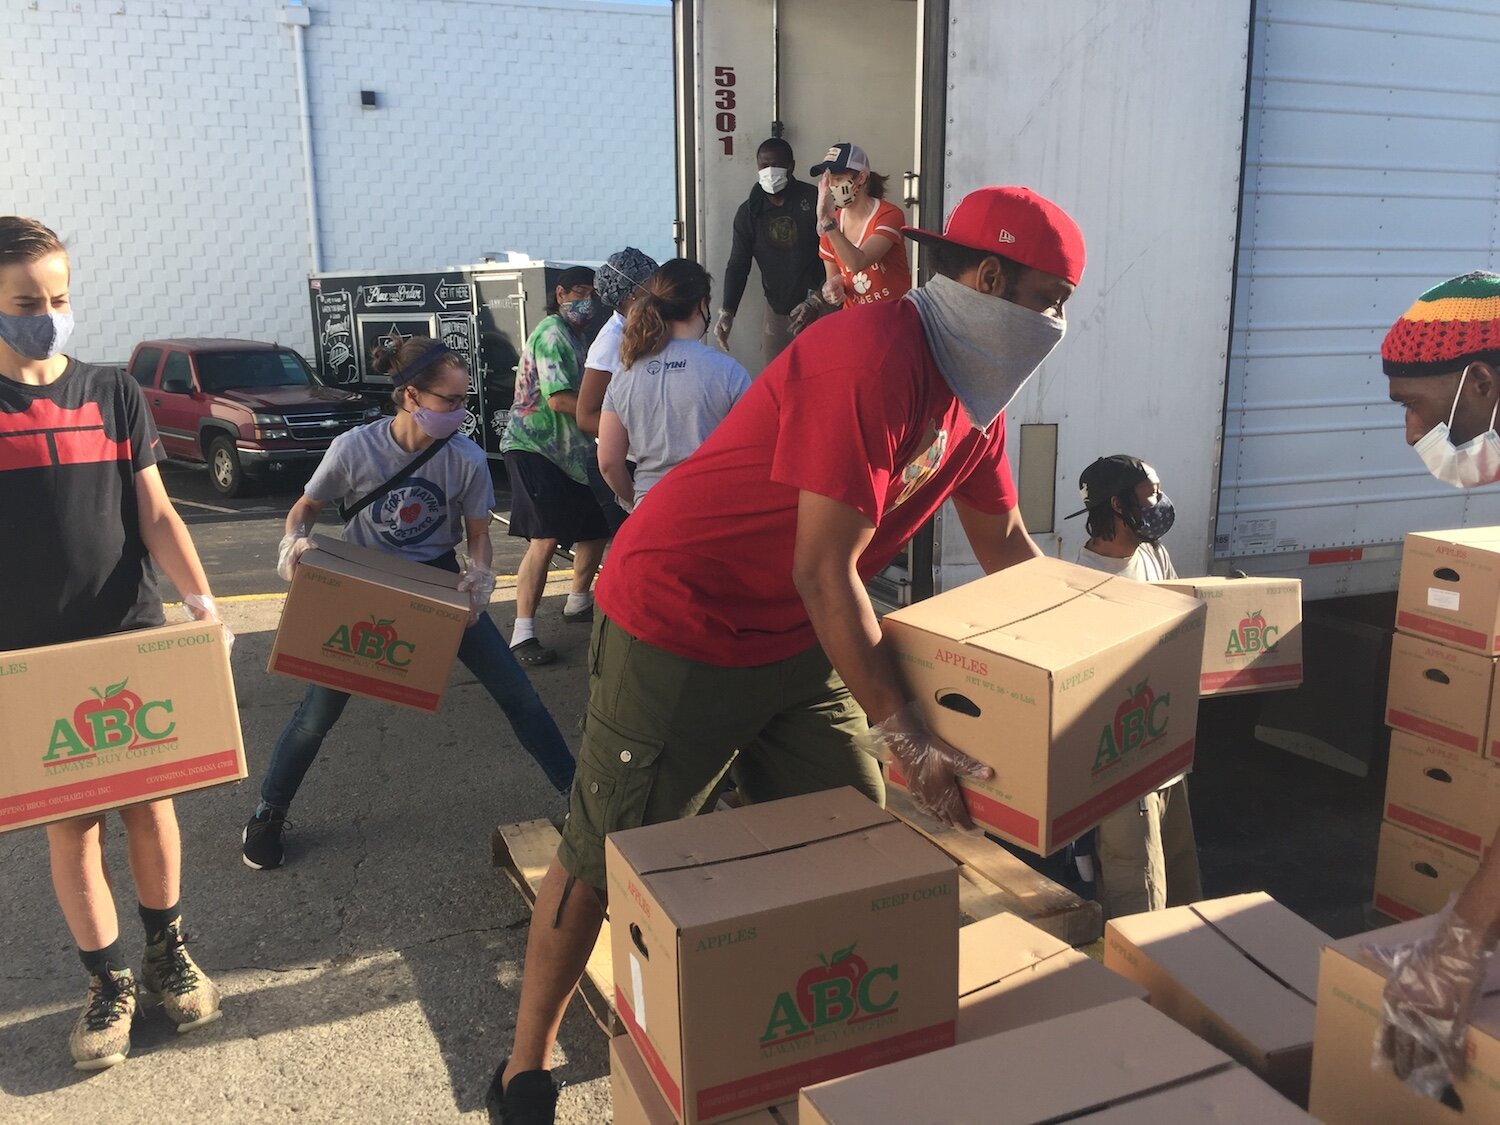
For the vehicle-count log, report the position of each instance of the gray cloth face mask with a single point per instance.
(986, 347)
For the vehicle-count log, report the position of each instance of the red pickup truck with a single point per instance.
(248, 409)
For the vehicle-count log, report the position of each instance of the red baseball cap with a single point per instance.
(1018, 224)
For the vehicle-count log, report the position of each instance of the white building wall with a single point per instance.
(161, 140)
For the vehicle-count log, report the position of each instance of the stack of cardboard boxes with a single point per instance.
(1442, 803)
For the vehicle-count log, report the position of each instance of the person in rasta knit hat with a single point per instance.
(617, 283)
(1441, 358)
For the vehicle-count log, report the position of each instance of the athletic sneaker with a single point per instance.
(263, 848)
(101, 1037)
(188, 997)
(529, 1098)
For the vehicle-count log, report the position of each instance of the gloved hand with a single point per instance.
(294, 545)
(930, 765)
(722, 329)
(833, 291)
(479, 583)
(803, 315)
(1428, 997)
(202, 607)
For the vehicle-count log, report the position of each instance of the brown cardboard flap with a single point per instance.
(1232, 1097)
(327, 547)
(733, 887)
(736, 833)
(1031, 1074)
(995, 949)
(1284, 942)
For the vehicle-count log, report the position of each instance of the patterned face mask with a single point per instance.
(36, 337)
(1152, 522)
(578, 313)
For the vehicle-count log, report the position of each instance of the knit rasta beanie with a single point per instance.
(1450, 326)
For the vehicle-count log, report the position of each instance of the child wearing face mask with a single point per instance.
(672, 389)
(864, 255)
(420, 517)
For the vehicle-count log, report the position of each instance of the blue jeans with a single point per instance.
(485, 653)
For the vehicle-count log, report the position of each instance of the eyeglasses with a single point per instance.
(452, 402)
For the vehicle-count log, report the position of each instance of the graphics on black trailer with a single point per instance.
(484, 312)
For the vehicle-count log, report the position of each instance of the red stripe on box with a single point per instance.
(784, 1082)
(121, 788)
(654, 1062)
(1429, 729)
(1100, 805)
(1399, 911)
(344, 680)
(1442, 630)
(982, 807)
(1431, 826)
(1342, 555)
(1246, 677)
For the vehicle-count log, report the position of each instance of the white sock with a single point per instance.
(578, 602)
(525, 629)
(1085, 865)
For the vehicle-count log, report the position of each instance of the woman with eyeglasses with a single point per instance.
(421, 518)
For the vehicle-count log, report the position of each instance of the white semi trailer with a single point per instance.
(1263, 186)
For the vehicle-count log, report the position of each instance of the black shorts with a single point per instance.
(546, 503)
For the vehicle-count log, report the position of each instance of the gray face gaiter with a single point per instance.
(986, 347)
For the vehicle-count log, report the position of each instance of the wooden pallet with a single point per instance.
(524, 851)
(992, 881)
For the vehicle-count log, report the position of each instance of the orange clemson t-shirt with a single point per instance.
(885, 280)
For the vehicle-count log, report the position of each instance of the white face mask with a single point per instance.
(773, 181)
(842, 192)
(1469, 465)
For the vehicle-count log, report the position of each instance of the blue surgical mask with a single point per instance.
(578, 313)
(36, 337)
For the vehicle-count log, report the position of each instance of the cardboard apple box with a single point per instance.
(761, 949)
(1011, 974)
(1450, 588)
(637, 1101)
(1442, 792)
(1079, 688)
(1439, 692)
(1415, 876)
(1241, 972)
(1252, 638)
(370, 623)
(1346, 1090)
(1121, 1062)
(116, 720)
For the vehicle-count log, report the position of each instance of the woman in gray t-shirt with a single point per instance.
(671, 389)
(423, 518)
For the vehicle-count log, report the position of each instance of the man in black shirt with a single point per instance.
(777, 226)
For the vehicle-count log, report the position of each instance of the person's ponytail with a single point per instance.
(671, 294)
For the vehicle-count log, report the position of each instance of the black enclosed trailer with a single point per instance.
(484, 311)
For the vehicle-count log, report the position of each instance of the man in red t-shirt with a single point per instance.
(735, 632)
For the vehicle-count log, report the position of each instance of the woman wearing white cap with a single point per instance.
(863, 253)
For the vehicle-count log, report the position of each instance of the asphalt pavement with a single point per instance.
(375, 976)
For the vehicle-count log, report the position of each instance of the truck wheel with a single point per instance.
(224, 468)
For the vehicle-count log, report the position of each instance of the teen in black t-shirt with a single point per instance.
(82, 514)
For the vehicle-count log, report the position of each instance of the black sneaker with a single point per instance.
(579, 617)
(263, 848)
(529, 1098)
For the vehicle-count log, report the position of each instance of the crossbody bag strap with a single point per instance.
(348, 513)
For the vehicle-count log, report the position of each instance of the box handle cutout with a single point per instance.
(1445, 574)
(1439, 775)
(960, 703)
(1437, 676)
(1423, 868)
(639, 941)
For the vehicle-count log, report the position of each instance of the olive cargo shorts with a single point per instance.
(663, 730)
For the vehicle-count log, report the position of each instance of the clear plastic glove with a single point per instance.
(294, 545)
(803, 315)
(479, 583)
(202, 607)
(1428, 997)
(930, 765)
(833, 291)
(722, 329)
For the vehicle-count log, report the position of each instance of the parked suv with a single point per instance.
(246, 408)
